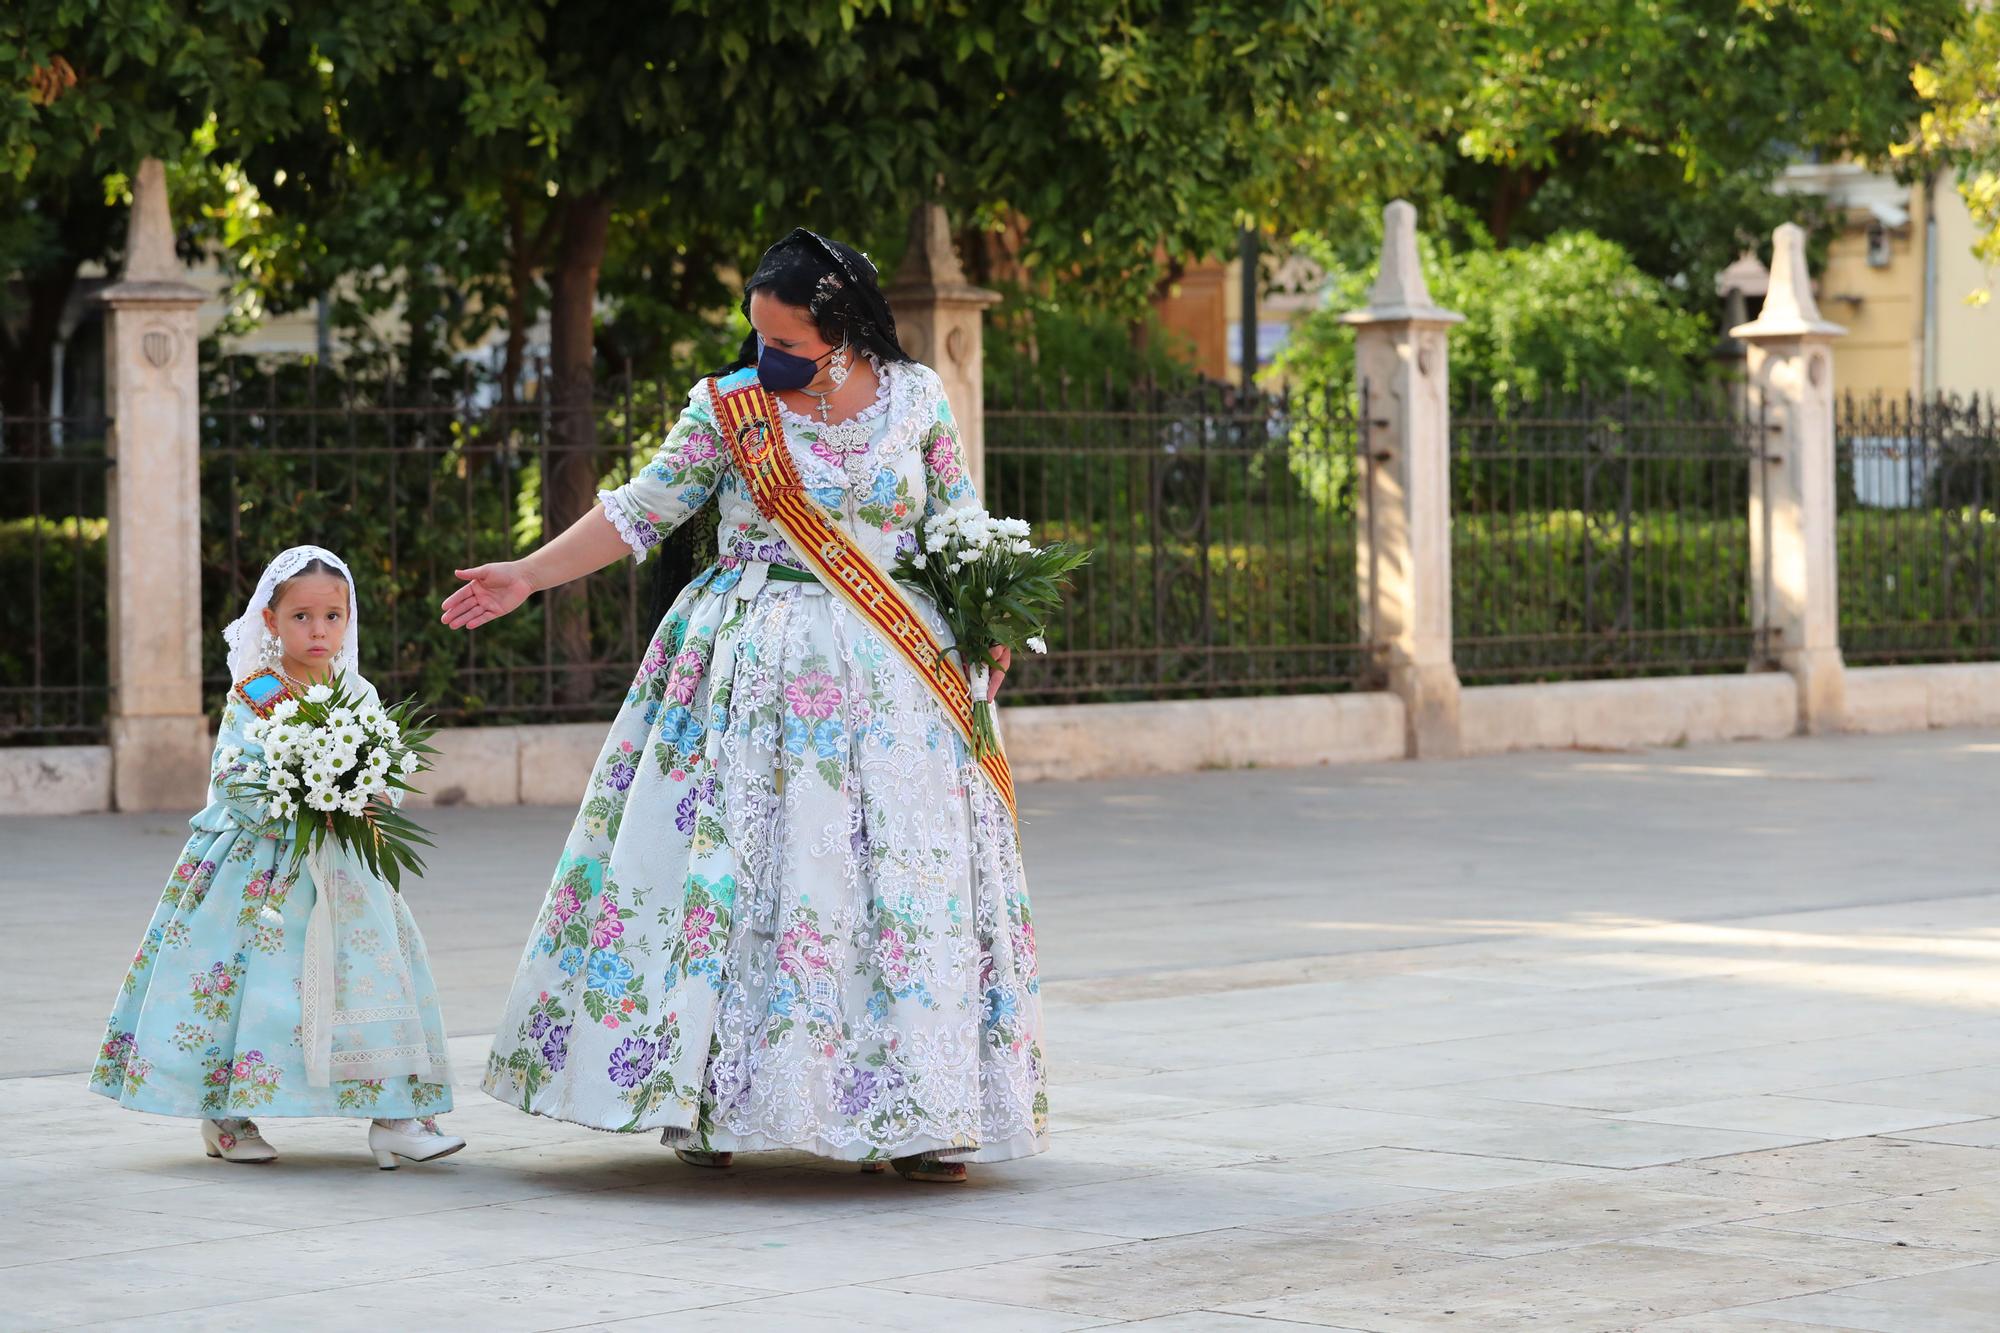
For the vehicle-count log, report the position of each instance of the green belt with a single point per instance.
(786, 574)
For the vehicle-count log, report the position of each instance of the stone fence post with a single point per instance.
(1403, 507)
(940, 317)
(1794, 597)
(159, 737)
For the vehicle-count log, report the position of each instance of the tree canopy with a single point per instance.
(1960, 127)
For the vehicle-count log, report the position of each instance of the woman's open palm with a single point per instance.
(489, 592)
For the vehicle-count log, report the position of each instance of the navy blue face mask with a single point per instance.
(781, 371)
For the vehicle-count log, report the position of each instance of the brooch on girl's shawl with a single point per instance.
(263, 691)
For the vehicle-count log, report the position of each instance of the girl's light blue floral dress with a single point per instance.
(792, 911)
(209, 1022)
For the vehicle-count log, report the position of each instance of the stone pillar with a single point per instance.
(159, 738)
(940, 319)
(1793, 594)
(1403, 509)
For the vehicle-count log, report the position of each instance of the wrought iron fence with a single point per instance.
(408, 486)
(54, 680)
(1918, 497)
(1223, 531)
(1603, 537)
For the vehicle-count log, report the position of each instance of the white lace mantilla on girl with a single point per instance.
(791, 912)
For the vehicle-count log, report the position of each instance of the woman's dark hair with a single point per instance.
(313, 566)
(835, 284)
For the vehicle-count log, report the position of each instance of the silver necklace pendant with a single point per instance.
(825, 412)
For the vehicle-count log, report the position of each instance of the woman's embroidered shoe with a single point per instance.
(699, 1157)
(236, 1141)
(411, 1140)
(927, 1167)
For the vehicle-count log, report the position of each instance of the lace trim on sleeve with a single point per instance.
(628, 528)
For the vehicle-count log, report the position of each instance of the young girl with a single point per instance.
(256, 989)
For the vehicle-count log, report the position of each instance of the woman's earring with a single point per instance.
(841, 366)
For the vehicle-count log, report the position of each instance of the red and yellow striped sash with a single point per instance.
(756, 436)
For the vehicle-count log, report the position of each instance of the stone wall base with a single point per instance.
(1627, 714)
(550, 765)
(1072, 741)
(1915, 698)
(55, 780)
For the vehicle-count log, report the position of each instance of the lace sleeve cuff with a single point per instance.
(637, 533)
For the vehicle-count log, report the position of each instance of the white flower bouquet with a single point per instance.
(340, 766)
(994, 586)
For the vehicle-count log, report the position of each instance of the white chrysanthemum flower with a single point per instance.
(319, 694)
(253, 731)
(412, 761)
(1037, 644)
(355, 803)
(285, 807)
(323, 798)
(378, 760)
(285, 711)
(349, 736)
(919, 559)
(340, 761)
(340, 717)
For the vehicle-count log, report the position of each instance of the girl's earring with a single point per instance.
(274, 652)
(841, 366)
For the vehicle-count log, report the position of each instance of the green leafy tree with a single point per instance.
(1569, 315)
(93, 86)
(631, 155)
(1960, 126)
(1661, 123)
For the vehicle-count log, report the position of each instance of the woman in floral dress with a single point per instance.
(791, 913)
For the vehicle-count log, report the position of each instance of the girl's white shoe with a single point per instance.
(411, 1140)
(236, 1141)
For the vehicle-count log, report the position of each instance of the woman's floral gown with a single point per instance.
(209, 1020)
(791, 912)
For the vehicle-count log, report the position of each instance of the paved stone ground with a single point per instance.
(1700, 1041)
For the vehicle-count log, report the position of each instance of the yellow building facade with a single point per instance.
(1898, 276)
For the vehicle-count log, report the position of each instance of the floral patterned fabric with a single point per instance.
(791, 912)
(208, 1021)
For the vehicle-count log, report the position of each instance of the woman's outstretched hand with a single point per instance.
(489, 592)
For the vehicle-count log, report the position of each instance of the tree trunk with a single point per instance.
(522, 260)
(79, 227)
(28, 361)
(422, 304)
(1513, 191)
(571, 474)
